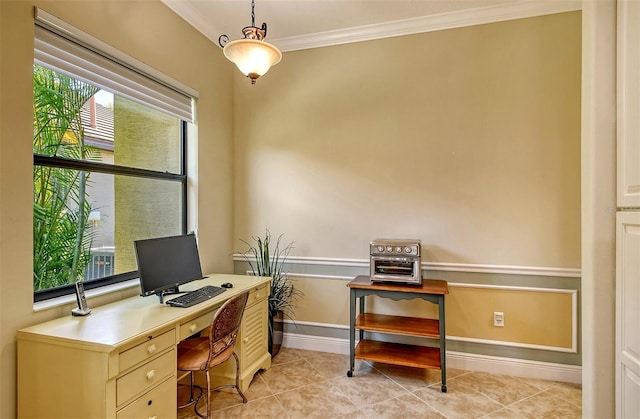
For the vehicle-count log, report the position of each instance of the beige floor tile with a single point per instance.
(355, 415)
(504, 413)
(290, 354)
(363, 367)
(291, 375)
(330, 365)
(303, 384)
(502, 388)
(541, 384)
(224, 398)
(459, 401)
(415, 378)
(366, 388)
(405, 406)
(547, 405)
(258, 388)
(317, 400)
(188, 412)
(266, 407)
(569, 392)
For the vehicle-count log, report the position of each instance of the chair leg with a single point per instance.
(244, 399)
(209, 389)
(208, 395)
(190, 386)
(192, 398)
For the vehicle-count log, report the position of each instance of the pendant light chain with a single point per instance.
(253, 13)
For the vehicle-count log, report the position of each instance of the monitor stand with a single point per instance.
(168, 291)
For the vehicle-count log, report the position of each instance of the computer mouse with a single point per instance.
(227, 285)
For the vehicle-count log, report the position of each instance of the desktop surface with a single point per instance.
(111, 325)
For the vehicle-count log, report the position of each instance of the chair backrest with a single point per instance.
(226, 323)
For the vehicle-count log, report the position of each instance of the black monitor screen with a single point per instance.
(164, 263)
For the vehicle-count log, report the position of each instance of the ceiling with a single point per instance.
(301, 24)
(305, 20)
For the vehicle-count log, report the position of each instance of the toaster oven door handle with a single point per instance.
(393, 258)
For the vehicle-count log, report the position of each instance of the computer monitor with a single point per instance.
(165, 263)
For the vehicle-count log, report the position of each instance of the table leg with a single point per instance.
(443, 344)
(352, 331)
(361, 311)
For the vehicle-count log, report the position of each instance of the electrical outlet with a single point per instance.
(498, 318)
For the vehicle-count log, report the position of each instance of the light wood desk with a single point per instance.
(120, 361)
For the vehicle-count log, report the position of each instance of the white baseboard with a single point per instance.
(516, 367)
(459, 360)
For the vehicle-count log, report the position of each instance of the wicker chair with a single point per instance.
(203, 353)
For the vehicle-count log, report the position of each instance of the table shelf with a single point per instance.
(398, 354)
(400, 325)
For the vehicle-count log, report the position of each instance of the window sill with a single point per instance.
(71, 298)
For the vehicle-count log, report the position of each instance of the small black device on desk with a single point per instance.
(192, 298)
(227, 285)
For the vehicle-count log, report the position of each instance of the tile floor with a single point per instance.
(307, 384)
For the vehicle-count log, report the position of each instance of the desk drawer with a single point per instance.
(199, 323)
(146, 350)
(258, 294)
(145, 377)
(156, 404)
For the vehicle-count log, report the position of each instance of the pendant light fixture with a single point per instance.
(252, 55)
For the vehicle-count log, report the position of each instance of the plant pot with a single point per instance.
(276, 332)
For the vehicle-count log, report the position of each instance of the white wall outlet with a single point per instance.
(498, 318)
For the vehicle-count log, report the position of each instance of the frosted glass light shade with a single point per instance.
(252, 57)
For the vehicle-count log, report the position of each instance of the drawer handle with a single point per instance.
(245, 340)
(150, 375)
(151, 349)
(153, 417)
(193, 327)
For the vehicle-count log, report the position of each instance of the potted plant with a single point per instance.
(266, 258)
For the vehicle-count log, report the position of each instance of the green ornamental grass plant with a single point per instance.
(268, 258)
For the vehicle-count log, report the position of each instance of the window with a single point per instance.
(109, 150)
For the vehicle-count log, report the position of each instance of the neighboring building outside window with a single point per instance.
(108, 170)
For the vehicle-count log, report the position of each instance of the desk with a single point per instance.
(120, 361)
(431, 290)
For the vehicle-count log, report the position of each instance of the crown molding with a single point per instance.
(470, 17)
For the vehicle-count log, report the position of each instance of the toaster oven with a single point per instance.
(393, 260)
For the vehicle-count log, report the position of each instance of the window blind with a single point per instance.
(57, 48)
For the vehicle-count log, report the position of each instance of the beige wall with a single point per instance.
(153, 34)
(531, 317)
(468, 139)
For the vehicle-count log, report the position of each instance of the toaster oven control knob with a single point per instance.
(380, 248)
(398, 249)
(389, 249)
(407, 249)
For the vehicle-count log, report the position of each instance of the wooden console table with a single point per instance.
(394, 353)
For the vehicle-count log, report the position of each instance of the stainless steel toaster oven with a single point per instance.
(394, 260)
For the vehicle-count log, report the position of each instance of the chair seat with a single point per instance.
(193, 355)
(200, 354)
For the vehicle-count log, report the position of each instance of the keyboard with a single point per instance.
(192, 298)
